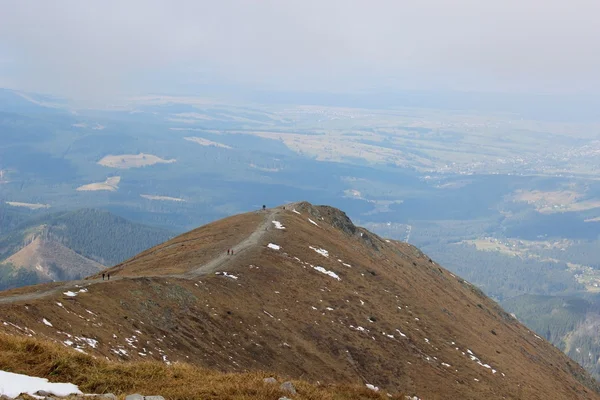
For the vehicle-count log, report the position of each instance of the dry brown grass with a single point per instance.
(179, 381)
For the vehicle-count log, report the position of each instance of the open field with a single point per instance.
(110, 184)
(31, 206)
(206, 142)
(161, 198)
(555, 201)
(126, 161)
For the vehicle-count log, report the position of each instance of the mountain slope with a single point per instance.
(70, 245)
(53, 261)
(306, 294)
(570, 323)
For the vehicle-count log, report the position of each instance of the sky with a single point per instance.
(103, 49)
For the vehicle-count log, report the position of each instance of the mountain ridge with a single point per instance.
(310, 295)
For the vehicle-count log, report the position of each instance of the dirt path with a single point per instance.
(217, 263)
(212, 266)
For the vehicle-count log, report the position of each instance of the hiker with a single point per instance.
(231, 251)
(227, 251)
(108, 276)
(103, 276)
(264, 207)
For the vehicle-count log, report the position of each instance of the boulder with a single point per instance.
(270, 380)
(134, 397)
(288, 387)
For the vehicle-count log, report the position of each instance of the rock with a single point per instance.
(5, 397)
(44, 393)
(270, 380)
(107, 396)
(140, 397)
(284, 398)
(288, 387)
(134, 397)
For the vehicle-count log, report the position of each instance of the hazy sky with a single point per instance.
(103, 48)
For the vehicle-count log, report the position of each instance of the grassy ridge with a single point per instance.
(179, 381)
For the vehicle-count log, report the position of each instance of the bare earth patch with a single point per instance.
(206, 142)
(110, 184)
(31, 206)
(161, 198)
(126, 161)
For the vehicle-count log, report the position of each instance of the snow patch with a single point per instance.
(278, 225)
(70, 294)
(46, 322)
(12, 385)
(273, 246)
(372, 387)
(226, 275)
(326, 272)
(294, 210)
(322, 252)
(312, 222)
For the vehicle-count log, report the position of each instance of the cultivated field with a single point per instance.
(161, 198)
(31, 206)
(206, 142)
(110, 184)
(126, 161)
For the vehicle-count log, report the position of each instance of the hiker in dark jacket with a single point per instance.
(103, 276)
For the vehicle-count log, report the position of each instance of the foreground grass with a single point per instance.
(179, 381)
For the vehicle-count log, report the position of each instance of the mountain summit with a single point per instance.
(301, 291)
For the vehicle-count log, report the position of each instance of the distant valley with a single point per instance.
(468, 186)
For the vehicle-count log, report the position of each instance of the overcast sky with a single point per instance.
(106, 48)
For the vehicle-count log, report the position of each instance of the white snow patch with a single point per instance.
(372, 387)
(46, 322)
(83, 290)
(329, 309)
(322, 252)
(268, 314)
(326, 272)
(401, 334)
(273, 246)
(91, 342)
(59, 304)
(446, 365)
(278, 225)
(226, 275)
(12, 385)
(70, 294)
(294, 210)
(312, 222)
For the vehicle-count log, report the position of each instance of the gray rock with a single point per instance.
(44, 393)
(284, 398)
(140, 397)
(288, 387)
(270, 380)
(107, 396)
(134, 397)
